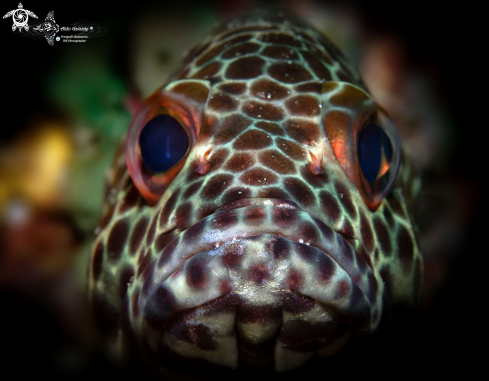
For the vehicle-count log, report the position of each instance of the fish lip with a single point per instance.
(211, 235)
(257, 201)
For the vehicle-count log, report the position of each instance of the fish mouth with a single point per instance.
(257, 281)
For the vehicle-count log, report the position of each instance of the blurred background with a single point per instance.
(67, 107)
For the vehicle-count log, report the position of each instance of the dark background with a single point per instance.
(444, 42)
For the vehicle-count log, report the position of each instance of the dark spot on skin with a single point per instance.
(283, 217)
(318, 67)
(270, 127)
(218, 157)
(263, 315)
(168, 209)
(159, 307)
(279, 38)
(255, 215)
(192, 90)
(289, 73)
(258, 176)
(98, 259)
(382, 236)
(345, 76)
(126, 277)
(342, 289)
(209, 125)
(345, 249)
(233, 254)
(147, 275)
(225, 219)
(303, 105)
(366, 230)
(137, 235)
(294, 280)
(259, 273)
(406, 247)
(308, 232)
(277, 162)
(373, 287)
(117, 239)
(183, 215)
(291, 149)
(163, 240)
(130, 199)
(388, 217)
(299, 190)
(208, 71)
(304, 35)
(268, 90)
(302, 131)
(241, 50)
(222, 103)
(302, 336)
(252, 140)
(235, 194)
(330, 206)
(245, 68)
(195, 52)
(321, 54)
(363, 258)
(279, 247)
(317, 181)
(272, 192)
(151, 231)
(107, 216)
(197, 274)
(194, 232)
(395, 204)
(207, 210)
(345, 200)
(325, 230)
(216, 186)
(234, 88)
(231, 127)
(293, 302)
(192, 189)
(346, 229)
(225, 286)
(197, 334)
(263, 111)
(280, 53)
(239, 162)
(308, 253)
(349, 97)
(311, 87)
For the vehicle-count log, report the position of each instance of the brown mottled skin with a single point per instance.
(261, 246)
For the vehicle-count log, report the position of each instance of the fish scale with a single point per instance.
(263, 245)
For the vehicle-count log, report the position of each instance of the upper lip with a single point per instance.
(244, 202)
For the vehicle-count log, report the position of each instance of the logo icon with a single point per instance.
(20, 17)
(49, 28)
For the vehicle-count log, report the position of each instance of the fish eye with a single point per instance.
(378, 153)
(374, 151)
(163, 142)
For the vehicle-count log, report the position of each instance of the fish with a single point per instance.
(259, 212)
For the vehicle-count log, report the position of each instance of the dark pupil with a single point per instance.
(374, 151)
(163, 142)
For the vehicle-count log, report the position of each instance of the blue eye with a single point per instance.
(374, 152)
(162, 143)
